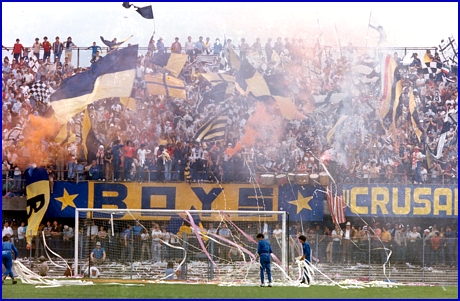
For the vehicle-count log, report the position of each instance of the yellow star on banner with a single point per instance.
(302, 202)
(67, 200)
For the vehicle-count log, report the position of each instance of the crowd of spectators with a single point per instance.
(155, 142)
(401, 244)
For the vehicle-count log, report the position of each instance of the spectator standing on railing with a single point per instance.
(199, 46)
(58, 47)
(69, 45)
(189, 48)
(161, 46)
(207, 47)
(244, 49)
(278, 47)
(94, 49)
(36, 48)
(176, 47)
(217, 49)
(17, 50)
(46, 48)
(257, 47)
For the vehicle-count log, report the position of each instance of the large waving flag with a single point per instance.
(213, 130)
(162, 84)
(146, 11)
(387, 80)
(112, 76)
(175, 63)
(302, 202)
(38, 198)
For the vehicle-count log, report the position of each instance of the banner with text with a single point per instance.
(302, 202)
(401, 200)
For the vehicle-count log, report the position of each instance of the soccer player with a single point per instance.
(7, 258)
(264, 250)
(306, 255)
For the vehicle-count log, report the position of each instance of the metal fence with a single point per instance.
(15, 185)
(82, 55)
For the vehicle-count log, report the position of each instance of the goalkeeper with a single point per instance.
(264, 250)
(306, 255)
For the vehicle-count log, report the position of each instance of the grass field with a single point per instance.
(102, 290)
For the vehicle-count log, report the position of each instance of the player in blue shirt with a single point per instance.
(264, 250)
(7, 258)
(306, 255)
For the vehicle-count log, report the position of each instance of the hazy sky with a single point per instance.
(406, 24)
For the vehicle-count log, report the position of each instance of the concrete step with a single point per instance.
(199, 270)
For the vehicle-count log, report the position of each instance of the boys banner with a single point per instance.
(302, 202)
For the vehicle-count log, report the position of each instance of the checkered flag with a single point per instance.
(431, 69)
(40, 91)
(33, 63)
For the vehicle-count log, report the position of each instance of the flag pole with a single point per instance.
(369, 23)
(338, 39)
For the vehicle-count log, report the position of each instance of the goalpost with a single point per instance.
(200, 245)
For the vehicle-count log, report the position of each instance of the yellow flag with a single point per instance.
(38, 198)
(418, 132)
(129, 102)
(161, 84)
(387, 79)
(288, 108)
(175, 63)
(397, 95)
(257, 85)
(86, 126)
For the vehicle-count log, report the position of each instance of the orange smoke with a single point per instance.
(231, 151)
(265, 124)
(39, 129)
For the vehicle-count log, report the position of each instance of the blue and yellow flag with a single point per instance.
(111, 76)
(302, 202)
(38, 198)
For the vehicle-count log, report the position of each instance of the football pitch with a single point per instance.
(145, 290)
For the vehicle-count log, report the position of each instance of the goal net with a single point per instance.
(190, 245)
